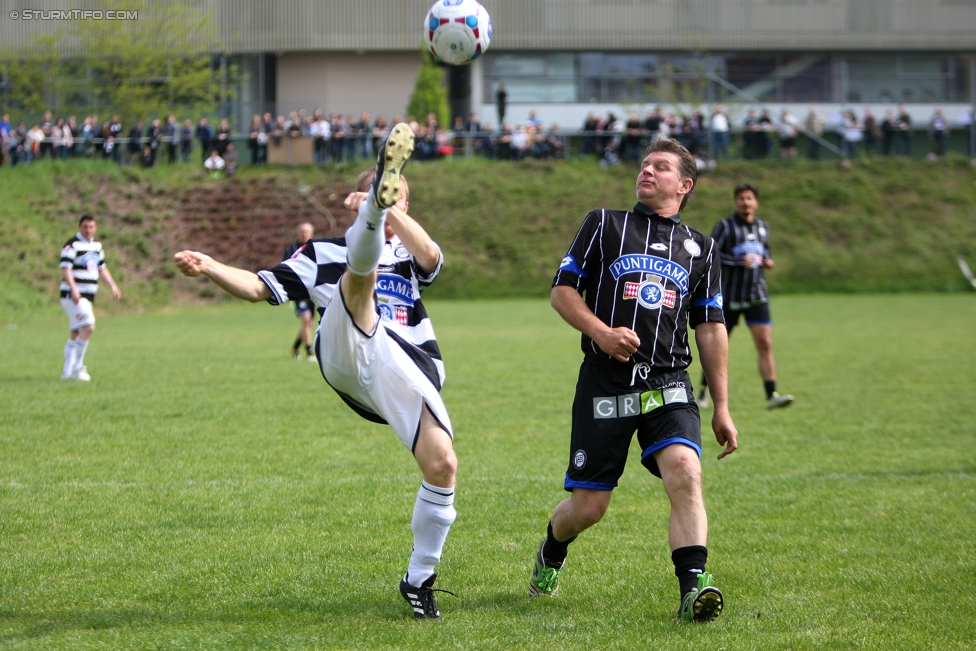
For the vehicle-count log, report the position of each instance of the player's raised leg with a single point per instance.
(433, 515)
(366, 237)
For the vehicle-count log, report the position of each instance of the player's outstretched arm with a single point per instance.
(415, 239)
(236, 282)
(619, 343)
(713, 348)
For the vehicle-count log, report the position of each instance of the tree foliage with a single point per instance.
(138, 68)
(429, 94)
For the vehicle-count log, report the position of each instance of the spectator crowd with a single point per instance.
(339, 139)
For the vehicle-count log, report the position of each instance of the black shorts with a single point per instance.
(756, 314)
(608, 409)
(303, 306)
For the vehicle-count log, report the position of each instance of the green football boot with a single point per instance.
(544, 580)
(702, 604)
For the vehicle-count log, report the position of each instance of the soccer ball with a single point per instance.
(457, 31)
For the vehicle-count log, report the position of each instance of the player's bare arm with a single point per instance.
(713, 350)
(70, 279)
(414, 238)
(107, 275)
(619, 343)
(236, 282)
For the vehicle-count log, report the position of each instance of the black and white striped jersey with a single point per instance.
(648, 273)
(85, 259)
(742, 286)
(313, 272)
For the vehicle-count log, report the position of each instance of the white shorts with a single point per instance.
(80, 314)
(374, 375)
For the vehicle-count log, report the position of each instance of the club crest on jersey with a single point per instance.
(650, 293)
(396, 313)
(638, 263)
(691, 246)
(401, 253)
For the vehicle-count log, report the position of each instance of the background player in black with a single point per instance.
(633, 375)
(743, 242)
(303, 308)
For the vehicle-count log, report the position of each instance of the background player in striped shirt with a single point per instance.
(632, 282)
(303, 307)
(743, 242)
(375, 343)
(82, 262)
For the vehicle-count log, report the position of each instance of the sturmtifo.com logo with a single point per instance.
(74, 14)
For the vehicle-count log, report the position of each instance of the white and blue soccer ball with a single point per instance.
(457, 31)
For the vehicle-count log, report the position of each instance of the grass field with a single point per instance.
(205, 491)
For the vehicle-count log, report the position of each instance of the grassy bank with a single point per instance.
(883, 226)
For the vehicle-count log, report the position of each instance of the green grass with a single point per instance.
(205, 491)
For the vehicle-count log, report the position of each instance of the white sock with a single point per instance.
(365, 238)
(69, 358)
(80, 347)
(433, 515)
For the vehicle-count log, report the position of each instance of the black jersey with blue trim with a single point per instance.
(649, 273)
(742, 286)
(314, 270)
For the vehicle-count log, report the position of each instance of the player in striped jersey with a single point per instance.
(631, 282)
(82, 262)
(743, 242)
(303, 307)
(375, 343)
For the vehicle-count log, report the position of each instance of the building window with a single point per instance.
(533, 78)
(773, 77)
(901, 78)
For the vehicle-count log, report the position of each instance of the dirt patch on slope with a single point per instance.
(245, 222)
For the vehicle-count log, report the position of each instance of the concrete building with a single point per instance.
(564, 58)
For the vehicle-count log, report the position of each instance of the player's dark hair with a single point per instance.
(745, 187)
(365, 181)
(687, 168)
(85, 218)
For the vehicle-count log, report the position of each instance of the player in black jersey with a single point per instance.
(631, 283)
(303, 307)
(743, 242)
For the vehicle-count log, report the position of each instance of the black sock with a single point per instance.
(297, 344)
(704, 383)
(308, 349)
(770, 388)
(689, 562)
(553, 551)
